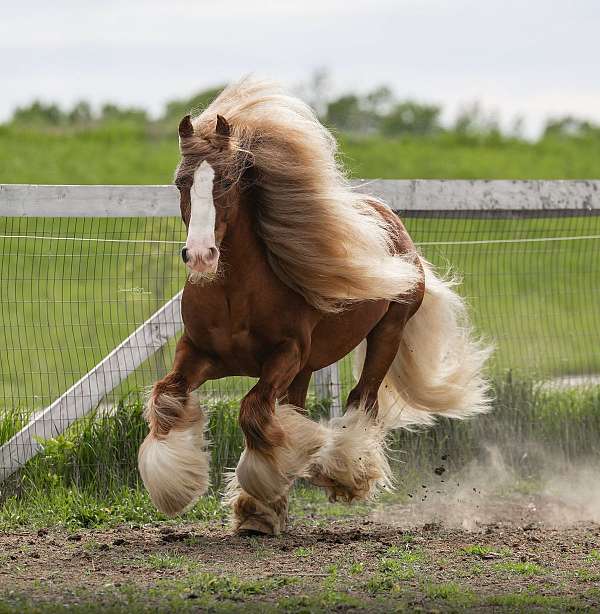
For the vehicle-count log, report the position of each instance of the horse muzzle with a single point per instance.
(201, 260)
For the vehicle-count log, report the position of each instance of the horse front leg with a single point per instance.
(173, 460)
(279, 445)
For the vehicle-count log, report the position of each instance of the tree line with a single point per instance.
(377, 112)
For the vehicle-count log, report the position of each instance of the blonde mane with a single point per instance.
(323, 239)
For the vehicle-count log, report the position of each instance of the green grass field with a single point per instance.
(66, 305)
(130, 155)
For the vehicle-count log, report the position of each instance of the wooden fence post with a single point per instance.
(327, 388)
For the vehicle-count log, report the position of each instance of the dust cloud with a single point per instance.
(490, 491)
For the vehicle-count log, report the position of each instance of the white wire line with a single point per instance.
(90, 239)
(426, 243)
(531, 240)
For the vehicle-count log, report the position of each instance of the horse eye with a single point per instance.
(182, 182)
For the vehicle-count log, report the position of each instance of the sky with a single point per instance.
(534, 58)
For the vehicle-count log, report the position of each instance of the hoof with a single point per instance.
(254, 525)
(251, 516)
(337, 491)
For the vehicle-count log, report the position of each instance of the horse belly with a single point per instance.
(338, 334)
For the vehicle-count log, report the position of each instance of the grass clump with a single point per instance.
(594, 555)
(393, 570)
(75, 509)
(485, 551)
(524, 602)
(521, 569)
(449, 592)
(168, 561)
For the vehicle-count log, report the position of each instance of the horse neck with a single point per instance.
(243, 250)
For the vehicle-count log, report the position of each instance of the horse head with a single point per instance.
(208, 178)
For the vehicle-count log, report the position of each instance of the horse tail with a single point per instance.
(437, 370)
(173, 460)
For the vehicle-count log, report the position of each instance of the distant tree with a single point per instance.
(39, 113)
(413, 118)
(570, 127)
(355, 113)
(380, 101)
(473, 121)
(316, 90)
(112, 112)
(516, 129)
(345, 113)
(81, 113)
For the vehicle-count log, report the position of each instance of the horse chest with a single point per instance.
(225, 326)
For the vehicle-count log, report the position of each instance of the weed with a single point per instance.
(585, 575)
(525, 601)
(594, 555)
(391, 572)
(405, 556)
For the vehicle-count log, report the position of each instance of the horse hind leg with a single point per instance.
(353, 464)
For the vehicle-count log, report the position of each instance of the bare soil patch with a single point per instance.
(398, 557)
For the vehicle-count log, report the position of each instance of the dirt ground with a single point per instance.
(510, 555)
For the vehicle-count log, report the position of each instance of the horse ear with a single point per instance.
(223, 129)
(185, 127)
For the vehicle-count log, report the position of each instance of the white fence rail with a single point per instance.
(85, 394)
(152, 201)
(18, 200)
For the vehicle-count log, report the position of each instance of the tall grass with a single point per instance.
(529, 424)
(88, 476)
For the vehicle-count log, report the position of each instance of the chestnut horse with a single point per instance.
(290, 270)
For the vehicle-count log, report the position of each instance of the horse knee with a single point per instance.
(166, 404)
(258, 422)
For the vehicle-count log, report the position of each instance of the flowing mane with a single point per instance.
(323, 239)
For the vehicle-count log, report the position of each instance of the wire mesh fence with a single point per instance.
(73, 288)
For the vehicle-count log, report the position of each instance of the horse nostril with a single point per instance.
(185, 255)
(213, 254)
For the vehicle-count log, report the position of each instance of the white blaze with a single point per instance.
(201, 229)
